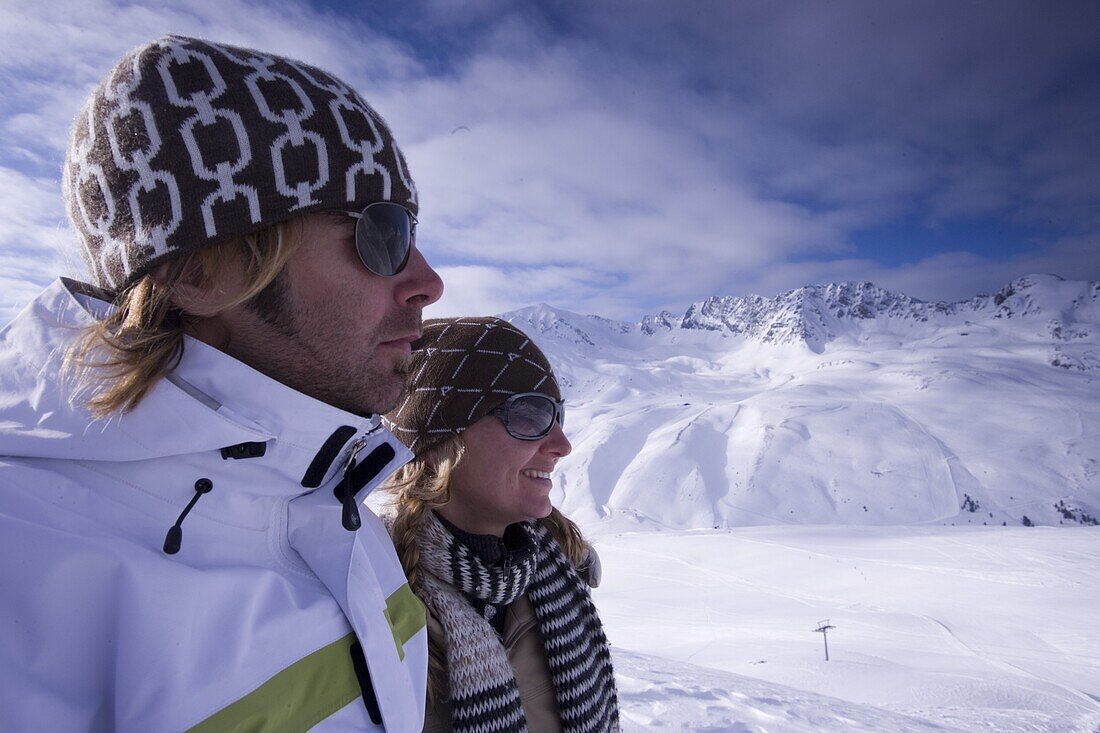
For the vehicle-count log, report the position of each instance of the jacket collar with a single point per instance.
(307, 435)
(209, 402)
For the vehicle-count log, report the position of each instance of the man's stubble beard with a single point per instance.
(324, 365)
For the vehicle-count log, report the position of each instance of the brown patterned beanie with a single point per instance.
(460, 369)
(187, 142)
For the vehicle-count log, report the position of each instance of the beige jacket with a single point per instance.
(523, 643)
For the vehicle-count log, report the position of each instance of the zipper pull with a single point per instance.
(175, 533)
(349, 517)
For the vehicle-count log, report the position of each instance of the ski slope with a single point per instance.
(936, 628)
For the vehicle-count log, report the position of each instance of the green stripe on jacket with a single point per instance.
(317, 685)
(405, 615)
(295, 699)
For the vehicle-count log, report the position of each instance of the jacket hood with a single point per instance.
(210, 401)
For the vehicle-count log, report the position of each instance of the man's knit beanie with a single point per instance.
(460, 369)
(187, 142)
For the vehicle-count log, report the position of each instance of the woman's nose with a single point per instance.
(556, 442)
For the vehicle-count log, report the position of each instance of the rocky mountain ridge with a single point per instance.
(814, 315)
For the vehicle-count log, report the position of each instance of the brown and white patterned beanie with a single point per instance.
(188, 142)
(460, 369)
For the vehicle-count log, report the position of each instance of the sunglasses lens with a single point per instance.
(532, 416)
(383, 238)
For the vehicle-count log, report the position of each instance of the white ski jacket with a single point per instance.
(271, 617)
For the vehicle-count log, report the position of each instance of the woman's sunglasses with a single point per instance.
(530, 415)
(385, 233)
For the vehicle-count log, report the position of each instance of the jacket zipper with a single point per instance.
(349, 517)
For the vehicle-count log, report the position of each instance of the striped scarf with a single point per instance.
(483, 692)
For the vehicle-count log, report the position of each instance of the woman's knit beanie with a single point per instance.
(188, 142)
(460, 369)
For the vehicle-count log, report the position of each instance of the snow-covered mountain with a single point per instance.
(834, 404)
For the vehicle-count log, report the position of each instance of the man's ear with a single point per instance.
(199, 298)
(160, 273)
(196, 292)
(194, 300)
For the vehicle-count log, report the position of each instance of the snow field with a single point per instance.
(937, 628)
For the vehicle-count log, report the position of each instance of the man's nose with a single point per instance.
(419, 284)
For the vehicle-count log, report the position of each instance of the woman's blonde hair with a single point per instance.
(422, 485)
(116, 361)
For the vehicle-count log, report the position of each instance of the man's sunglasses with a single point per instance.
(385, 233)
(530, 415)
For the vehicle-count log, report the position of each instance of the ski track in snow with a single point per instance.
(937, 628)
(657, 694)
(977, 652)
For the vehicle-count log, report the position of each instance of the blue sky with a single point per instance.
(626, 157)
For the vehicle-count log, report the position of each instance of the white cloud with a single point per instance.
(525, 162)
(472, 290)
(947, 276)
(33, 231)
(480, 290)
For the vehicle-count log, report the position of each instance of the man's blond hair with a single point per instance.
(116, 361)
